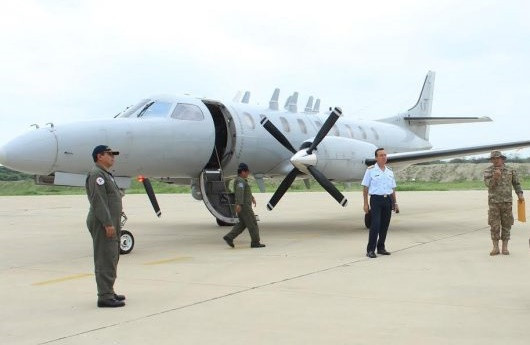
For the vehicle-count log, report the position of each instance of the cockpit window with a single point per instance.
(130, 111)
(155, 109)
(187, 112)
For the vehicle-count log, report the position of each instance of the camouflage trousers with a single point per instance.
(500, 216)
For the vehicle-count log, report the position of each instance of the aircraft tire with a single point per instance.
(126, 242)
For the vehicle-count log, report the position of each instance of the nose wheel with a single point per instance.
(126, 242)
(126, 238)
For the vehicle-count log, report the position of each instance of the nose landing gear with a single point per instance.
(126, 237)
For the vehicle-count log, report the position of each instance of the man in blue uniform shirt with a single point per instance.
(379, 183)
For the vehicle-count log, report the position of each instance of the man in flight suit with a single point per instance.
(243, 205)
(103, 222)
(379, 183)
(499, 179)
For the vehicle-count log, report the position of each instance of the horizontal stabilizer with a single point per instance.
(443, 120)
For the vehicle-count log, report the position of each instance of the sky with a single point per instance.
(62, 61)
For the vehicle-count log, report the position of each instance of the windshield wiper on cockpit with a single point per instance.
(141, 113)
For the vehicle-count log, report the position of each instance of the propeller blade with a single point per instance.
(333, 117)
(271, 128)
(286, 183)
(328, 186)
(151, 194)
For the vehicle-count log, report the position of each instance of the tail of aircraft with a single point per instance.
(418, 118)
(422, 108)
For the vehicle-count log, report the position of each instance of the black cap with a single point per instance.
(242, 167)
(100, 149)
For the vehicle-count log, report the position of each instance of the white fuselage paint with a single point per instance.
(175, 148)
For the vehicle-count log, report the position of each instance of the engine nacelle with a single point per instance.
(342, 159)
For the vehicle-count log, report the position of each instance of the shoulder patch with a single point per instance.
(100, 181)
(241, 185)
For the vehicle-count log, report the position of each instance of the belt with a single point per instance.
(382, 195)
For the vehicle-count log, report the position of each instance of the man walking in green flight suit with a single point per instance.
(103, 222)
(243, 205)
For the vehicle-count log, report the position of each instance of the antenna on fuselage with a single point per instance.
(287, 103)
(273, 103)
(246, 97)
(237, 97)
(309, 106)
(316, 108)
(293, 100)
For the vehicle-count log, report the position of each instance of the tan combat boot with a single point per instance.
(505, 248)
(495, 250)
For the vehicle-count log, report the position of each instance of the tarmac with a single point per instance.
(312, 284)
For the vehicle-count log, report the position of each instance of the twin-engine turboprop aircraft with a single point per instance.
(200, 142)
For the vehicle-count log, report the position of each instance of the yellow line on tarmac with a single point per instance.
(60, 280)
(165, 261)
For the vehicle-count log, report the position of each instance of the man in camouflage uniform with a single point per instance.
(499, 179)
(243, 205)
(103, 222)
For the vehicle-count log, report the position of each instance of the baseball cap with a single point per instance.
(102, 148)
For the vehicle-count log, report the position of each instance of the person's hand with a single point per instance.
(396, 208)
(366, 208)
(520, 196)
(238, 209)
(110, 231)
(254, 201)
(497, 173)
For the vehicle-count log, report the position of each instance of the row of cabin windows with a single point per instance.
(348, 133)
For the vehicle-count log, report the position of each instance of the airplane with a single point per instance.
(200, 142)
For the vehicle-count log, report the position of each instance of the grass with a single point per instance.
(28, 187)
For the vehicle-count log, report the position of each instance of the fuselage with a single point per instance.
(179, 137)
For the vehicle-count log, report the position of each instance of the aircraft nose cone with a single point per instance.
(34, 152)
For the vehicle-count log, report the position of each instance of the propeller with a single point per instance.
(151, 194)
(304, 160)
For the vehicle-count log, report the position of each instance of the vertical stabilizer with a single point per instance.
(423, 106)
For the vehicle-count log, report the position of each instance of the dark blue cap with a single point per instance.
(100, 149)
(242, 167)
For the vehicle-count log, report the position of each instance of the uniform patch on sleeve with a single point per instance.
(100, 181)
(241, 185)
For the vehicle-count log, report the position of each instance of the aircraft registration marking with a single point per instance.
(63, 279)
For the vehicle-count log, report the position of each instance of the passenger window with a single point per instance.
(375, 133)
(319, 124)
(363, 133)
(249, 120)
(156, 109)
(285, 124)
(303, 128)
(349, 131)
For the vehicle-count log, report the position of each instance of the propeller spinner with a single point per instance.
(304, 160)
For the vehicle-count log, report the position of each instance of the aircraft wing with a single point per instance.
(408, 158)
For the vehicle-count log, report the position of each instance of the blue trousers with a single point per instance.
(381, 210)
